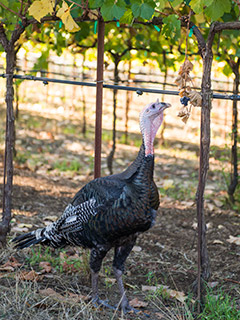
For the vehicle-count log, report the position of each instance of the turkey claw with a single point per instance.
(101, 303)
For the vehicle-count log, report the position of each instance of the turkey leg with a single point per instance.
(96, 258)
(121, 254)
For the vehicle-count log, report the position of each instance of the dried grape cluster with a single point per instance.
(186, 93)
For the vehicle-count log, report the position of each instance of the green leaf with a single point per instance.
(127, 17)
(94, 4)
(161, 4)
(106, 9)
(216, 11)
(227, 70)
(147, 10)
(119, 9)
(113, 9)
(198, 5)
(171, 27)
(236, 10)
(238, 52)
(144, 9)
(136, 9)
(176, 3)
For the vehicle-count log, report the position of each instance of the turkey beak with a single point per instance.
(164, 105)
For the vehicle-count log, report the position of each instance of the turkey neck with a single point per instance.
(149, 133)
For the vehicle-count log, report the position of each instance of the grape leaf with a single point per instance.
(238, 53)
(93, 4)
(147, 10)
(161, 5)
(216, 11)
(64, 14)
(136, 9)
(176, 3)
(171, 27)
(127, 17)
(197, 5)
(40, 9)
(227, 70)
(144, 9)
(118, 9)
(113, 9)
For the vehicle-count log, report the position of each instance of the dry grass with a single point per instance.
(23, 301)
(63, 297)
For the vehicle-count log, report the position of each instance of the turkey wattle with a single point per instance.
(110, 211)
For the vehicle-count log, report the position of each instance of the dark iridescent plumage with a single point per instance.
(107, 212)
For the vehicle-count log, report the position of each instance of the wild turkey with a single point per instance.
(110, 211)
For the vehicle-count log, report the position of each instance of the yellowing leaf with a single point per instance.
(64, 14)
(93, 14)
(41, 8)
(22, 38)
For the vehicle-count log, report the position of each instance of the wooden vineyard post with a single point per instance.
(205, 49)
(11, 50)
(234, 152)
(99, 97)
(9, 146)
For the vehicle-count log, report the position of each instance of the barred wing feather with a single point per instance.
(73, 218)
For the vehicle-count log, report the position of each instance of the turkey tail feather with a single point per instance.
(27, 240)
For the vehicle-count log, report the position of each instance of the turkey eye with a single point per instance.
(153, 106)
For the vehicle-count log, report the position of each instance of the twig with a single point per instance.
(14, 12)
(162, 13)
(26, 9)
(231, 280)
(77, 4)
(21, 7)
(177, 13)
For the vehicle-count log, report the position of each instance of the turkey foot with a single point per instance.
(126, 308)
(97, 302)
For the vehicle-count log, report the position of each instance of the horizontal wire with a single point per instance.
(138, 90)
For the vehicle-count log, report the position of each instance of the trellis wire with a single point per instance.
(42, 71)
(138, 90)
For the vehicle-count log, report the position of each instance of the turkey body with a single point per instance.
(110, 211)
(124, 204)
(107, 212)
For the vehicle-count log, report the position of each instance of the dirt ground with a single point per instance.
(164, 257)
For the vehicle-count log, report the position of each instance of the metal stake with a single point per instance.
(99, 97)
